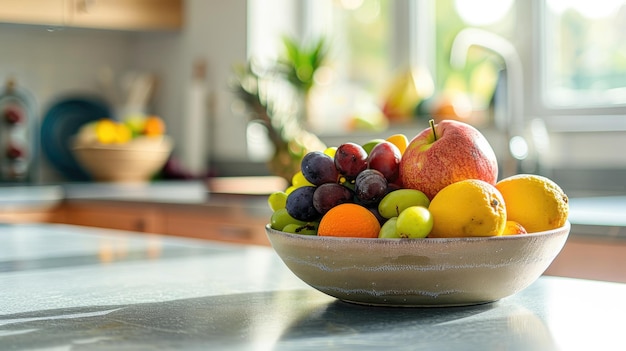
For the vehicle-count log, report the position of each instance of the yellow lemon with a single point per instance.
(400, 140)
(468, 207)
(123, 134)
(330, 151)
(106, 131)
(534, 201)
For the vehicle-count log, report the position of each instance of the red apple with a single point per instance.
(445, 153)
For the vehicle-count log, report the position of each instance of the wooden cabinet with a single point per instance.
(139, 218)
(587, 258)
(44, 12)
(232, 225)
(100, 14)
(126, 14)
(32, 215)
(229, 224)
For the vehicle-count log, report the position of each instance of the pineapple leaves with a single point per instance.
(301, 61)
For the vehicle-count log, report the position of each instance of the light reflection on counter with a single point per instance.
(571, 332)
(110, 250)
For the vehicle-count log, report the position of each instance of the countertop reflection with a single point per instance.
(67, 287)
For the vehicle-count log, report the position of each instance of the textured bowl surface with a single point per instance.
(136, 161)
(419, 272)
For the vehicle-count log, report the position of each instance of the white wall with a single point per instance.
(66, 61)
(215, 32)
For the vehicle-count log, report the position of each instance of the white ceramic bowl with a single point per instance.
(135, 161)
(419, 272)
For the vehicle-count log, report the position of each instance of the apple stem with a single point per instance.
(432, 126)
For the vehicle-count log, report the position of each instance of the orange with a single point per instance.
(534, 201)
(349, 220)
(153, 126)
(513, 228)
(123, 133)
(470, 207)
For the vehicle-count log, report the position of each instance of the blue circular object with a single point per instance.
(60, 124)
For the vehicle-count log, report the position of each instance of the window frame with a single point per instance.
(559, 118)
(531, 45)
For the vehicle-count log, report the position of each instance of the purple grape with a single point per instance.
(319, 168)
(350, 160)
(374, 210)
(393, 187)
(385, 157)
(370, 186)
(300, 204)
(329, 195)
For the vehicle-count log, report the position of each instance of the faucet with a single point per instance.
(511, 123)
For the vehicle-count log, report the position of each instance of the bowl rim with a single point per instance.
(271, 231)
(161, 140)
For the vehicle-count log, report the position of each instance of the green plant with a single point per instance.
(276, 96)
(300, 62)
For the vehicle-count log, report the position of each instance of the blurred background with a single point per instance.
(545, 80)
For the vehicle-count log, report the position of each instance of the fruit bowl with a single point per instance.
(134, 161)
(426, 272)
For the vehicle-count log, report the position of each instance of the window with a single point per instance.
(362, 57)
(359, 32)
(585, 53)
(573, 52)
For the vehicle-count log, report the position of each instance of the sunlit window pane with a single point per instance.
(360, 37)
(585, 52)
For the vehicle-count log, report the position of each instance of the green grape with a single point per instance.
(368, 146)
(309, 228)
(299, 180)
(277, 200)
(281, 218)
(398, 200)
(414, 222)
(330, 151)
(290, 189)
(388, 229)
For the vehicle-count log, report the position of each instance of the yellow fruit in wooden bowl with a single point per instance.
(134, 161)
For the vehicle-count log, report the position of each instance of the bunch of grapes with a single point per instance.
(350, 173)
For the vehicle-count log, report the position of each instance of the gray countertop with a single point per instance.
(186, 192)
(30, 197)
(42, 196)
(74, 288)
(192, 192)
